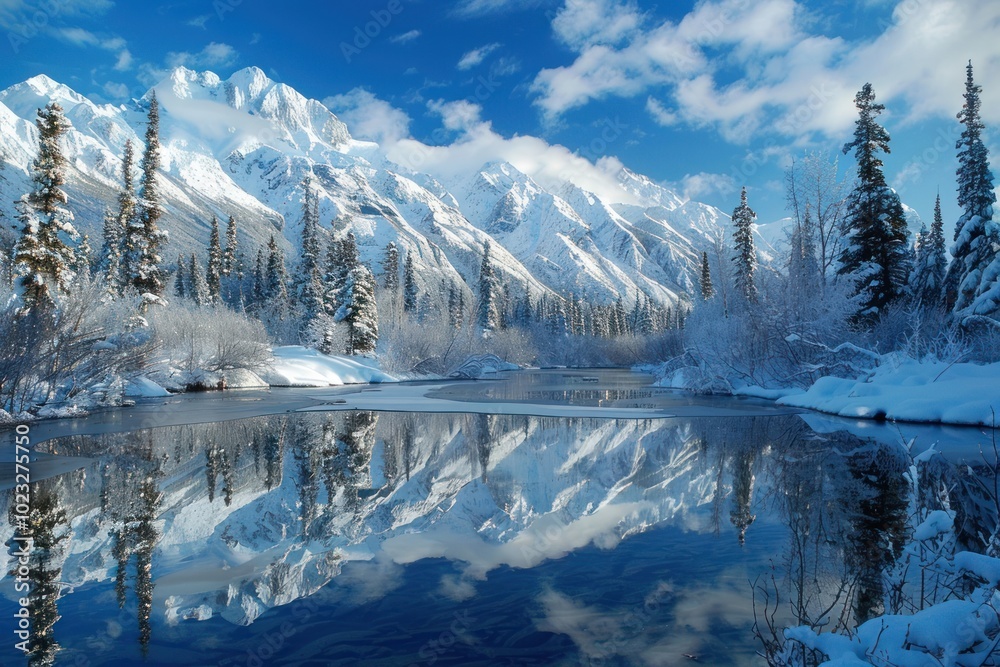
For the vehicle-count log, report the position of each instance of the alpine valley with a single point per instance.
(245, 145)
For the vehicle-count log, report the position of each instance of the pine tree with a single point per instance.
(876, 254)
(213, 272)
(180, 286)
(707, 291)
(43, 256)
(359, 311)
(198, 287)
(970, 283)
(342, 259)
(259, 280)
(276, 278)
(143, 236)
(487, 316)
(745, 257)
(308, 285)
(116, 227)
(931, 264)
(390, 268)
(230, 258)
(409, 285)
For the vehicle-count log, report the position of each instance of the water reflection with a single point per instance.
(183, 524)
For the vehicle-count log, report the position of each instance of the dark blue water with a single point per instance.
(408, 539)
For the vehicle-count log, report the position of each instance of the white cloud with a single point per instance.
(405, 37)
(200, 21)
(460, 115)
(215, 54)
(474, 8)
(583, 23)
(662, 115)
(476, 56)
(746, 68)
(693, 186)
(85, 38)
(116, 91)
(369, 117)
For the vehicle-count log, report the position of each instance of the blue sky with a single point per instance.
(704, 96)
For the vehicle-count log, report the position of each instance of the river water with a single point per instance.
(555, 517)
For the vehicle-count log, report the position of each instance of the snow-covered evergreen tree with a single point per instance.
(276, 278)
(259, 280)
(876, 256)
(180, 282)
(230, 258)
(409, 285)
(970, 285)
(342, 258)
(308, 283)
(143, 236)
(707, 291)
(390, 268)
(198, 286)
(359, 311)
(213, 272)
(927, 279)
(487, 315)
(44, 254)
(745, 254)
(116, 227)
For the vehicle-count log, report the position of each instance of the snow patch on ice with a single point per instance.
(298, 366)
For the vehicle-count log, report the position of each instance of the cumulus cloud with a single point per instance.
(85, 38)
(693, 186)
(215, 54)
(476, 56)
(744, 68)
(368, 117)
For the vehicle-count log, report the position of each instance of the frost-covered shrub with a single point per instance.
(194, 338)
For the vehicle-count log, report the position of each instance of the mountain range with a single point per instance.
(244, 146)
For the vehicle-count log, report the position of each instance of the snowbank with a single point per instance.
(145, 388)
(909, 390)
(297, 366)
(481, 365)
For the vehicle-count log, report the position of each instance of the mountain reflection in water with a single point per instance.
(402, 538)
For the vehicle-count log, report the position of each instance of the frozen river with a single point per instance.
(550, 517)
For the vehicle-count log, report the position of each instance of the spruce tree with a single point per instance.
(876, 254)
(213, 272)
(230, 258)
(180, 285)
(276, 278)
(928, 275)
(198, 286)
(707, 291)
(390, 268)
(308, 287)
(43, 255)
(409, 285)
(359, 311)
(487, 314)
(745, 257)
(259, 280)
(969, 287)
(116, 227)
(143, 236)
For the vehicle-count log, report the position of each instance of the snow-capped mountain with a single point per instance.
(243, 147)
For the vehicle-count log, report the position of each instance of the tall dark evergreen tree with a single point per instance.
(230, 258)
(390, 268)
(308, 283)
(927, 281)
(213, 271)
(44, 254)
(143, 236)
(116, 226)
(487, 314)
(745, 256)
(198, 286)
(180, 282)
(970, 285)
(876, 256)
(409, 285)
(259, 280)
(359, 311)
(276, 278)
(707, 291)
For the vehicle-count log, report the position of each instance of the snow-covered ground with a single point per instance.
(297, 366)
(909, 390)
(899, 389)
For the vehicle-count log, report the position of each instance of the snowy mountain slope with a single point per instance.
(243, 147)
